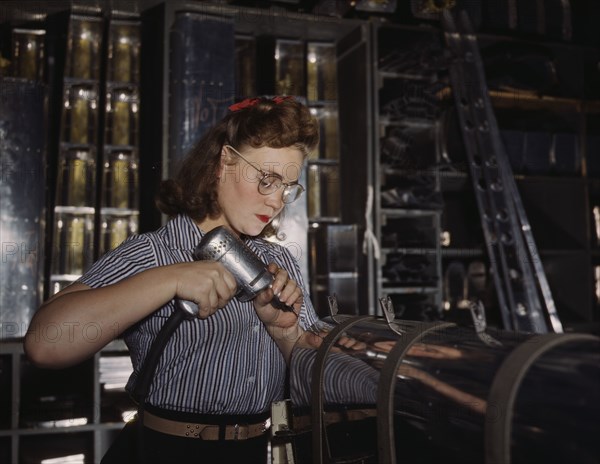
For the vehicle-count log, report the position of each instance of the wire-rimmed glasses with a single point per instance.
(269, 182)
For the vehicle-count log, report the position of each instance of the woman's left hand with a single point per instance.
(288, 292)
(282, 326)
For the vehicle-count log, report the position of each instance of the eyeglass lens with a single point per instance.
(270, 184)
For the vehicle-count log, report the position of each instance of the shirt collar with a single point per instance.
(183, 233)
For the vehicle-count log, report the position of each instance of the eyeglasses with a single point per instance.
(269, 183)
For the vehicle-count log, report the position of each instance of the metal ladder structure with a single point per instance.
(524, 296)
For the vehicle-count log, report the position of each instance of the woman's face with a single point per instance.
(243, 208)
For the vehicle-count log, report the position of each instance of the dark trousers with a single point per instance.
(137, 444)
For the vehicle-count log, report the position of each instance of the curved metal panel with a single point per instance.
(439, 382)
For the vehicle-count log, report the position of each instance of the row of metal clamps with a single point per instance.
(81, 114)
(83, 51)
(78, 173)
(84, 48)
(72, 251)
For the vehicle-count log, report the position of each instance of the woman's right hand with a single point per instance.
(206, 283)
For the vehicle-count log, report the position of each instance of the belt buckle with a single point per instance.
(236, 431)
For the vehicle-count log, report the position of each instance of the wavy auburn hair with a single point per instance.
(265, 122)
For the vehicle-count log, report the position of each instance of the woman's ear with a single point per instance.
(223, 161)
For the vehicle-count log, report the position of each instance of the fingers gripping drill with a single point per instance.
(251, 274)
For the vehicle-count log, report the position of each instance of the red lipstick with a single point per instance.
(263, 218)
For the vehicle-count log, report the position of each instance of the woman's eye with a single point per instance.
(267, 182)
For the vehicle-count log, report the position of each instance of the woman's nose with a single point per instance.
(275, 199)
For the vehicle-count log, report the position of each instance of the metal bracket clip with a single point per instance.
(478, 314)
(390, 314)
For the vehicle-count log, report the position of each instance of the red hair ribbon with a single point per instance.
(248, 102)
(243, 104)
(278, 100)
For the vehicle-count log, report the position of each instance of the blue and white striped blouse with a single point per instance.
(226, 364)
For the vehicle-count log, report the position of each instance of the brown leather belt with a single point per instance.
(204, 431)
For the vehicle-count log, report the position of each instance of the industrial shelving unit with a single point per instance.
(91, 137)
(407, 198)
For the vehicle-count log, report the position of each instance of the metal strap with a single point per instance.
(386, 440)
(318, 374)
(503, 391)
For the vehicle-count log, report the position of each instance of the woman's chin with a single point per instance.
(251, 230)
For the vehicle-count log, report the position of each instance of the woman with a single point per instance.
(219, 373)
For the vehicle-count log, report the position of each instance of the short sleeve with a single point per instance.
(134, 255)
